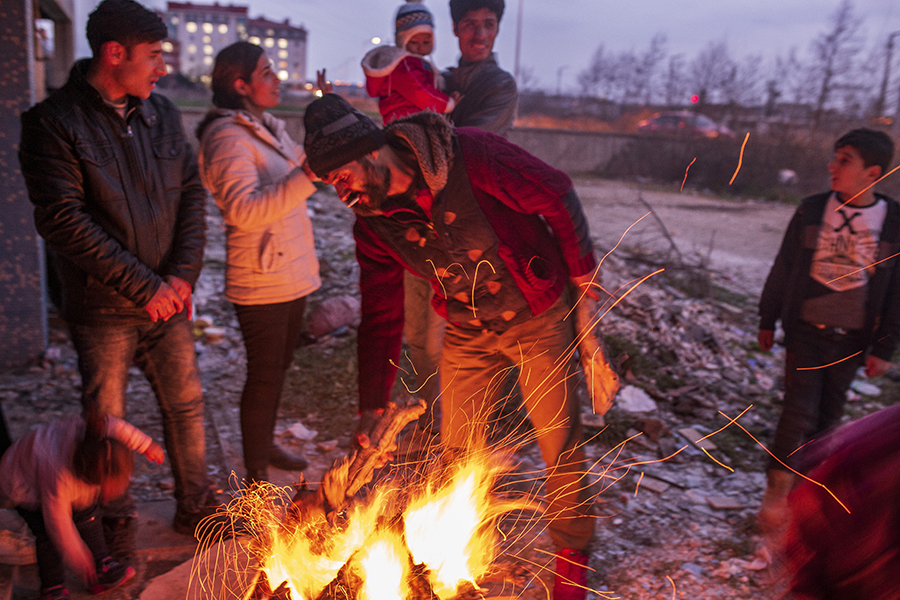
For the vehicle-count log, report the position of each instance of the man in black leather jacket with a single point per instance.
(118, 198)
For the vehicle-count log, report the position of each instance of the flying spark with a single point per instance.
(686, 172)
(862, 191)
(829, 364)
(740, 159)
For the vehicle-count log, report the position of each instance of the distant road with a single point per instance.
(745, 236)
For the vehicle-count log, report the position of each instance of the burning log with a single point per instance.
(425, 533)
(383, 440)
(346, 478)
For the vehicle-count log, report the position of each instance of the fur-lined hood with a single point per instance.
(430, 137)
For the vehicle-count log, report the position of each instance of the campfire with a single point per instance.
(429, 528)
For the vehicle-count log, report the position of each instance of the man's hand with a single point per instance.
(766, 339)
(183, 288)
(876, 367)
(164, 303)
(367, 421)
(155, 454)
(587, 286)
(322, 82)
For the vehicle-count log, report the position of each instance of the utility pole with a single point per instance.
(559, 73)
(518, 38)
(882, 97)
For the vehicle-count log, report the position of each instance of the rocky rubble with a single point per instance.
(675, 511)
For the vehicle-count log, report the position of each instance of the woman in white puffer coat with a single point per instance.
(257, 176)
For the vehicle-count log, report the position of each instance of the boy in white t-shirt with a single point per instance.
(835, 285)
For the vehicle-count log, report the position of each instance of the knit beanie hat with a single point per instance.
(412, 18)
(337, 134)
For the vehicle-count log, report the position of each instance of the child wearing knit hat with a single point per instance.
(401, 77)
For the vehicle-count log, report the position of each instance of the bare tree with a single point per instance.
(675, 82)
(591, 78)
(647, 67)
(834, 53)
(710, 70)
(743, 84)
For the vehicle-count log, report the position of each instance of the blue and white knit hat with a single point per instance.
(412, 18)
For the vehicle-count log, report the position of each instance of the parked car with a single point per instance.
(684, 123)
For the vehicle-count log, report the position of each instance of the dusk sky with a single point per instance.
(560, 37)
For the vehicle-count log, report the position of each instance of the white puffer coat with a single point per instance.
(256, 180)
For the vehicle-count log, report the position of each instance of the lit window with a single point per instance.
(190, 26)
(282, 64)
(207, 79)
(296, 75)
(208, 49)
(282, 54)
(192, 49)
(282, 43)
(174, 20)
(207, 28)
(223, 28)
(282, 75)
(270, 32)
(167, 47)
(169, 68)
(254, 40)
(269, 43)
(207, 60)
(207, 39)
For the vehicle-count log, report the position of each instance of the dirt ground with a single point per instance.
(694, 357)
(739, 238)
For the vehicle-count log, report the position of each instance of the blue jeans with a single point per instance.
(814, 398)
(164, 351)
(473, 369)
(424, 332)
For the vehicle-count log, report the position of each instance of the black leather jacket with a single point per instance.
(119, 201)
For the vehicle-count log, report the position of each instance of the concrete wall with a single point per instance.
(23, 330)
(570, 151)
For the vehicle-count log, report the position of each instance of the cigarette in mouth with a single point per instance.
(353, 201)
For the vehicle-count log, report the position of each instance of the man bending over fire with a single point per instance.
(499, 234)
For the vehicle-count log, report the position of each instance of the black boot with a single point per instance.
(280, 459)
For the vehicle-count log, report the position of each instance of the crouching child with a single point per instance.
(56, 477)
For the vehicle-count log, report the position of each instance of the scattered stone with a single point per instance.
(327, 446)
(214, 335)
(634, 400)
(724, 503)
(865, 388)
(332, 314)
(694, 437)
(695, 570)
(301, 432)
(653, 428)
(592, 420)
(654, 485)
